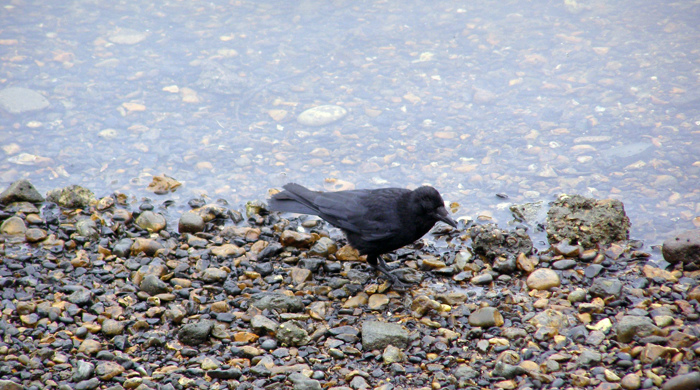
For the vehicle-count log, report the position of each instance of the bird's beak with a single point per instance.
(443, 216)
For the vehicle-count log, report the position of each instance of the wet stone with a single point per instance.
(631, 326)
(586, 221)
(227, 250)
(232, 373)
(13, 226)
(190, 222)
(196, 333)
(378, 335)
(323, 247)
(683, 248)
(564, 264)
(683, 382)
(71, 197)
(111, 327)
(567, 250)
(90, 346)
(302, 382)
(291, 334)
(482, 279)
(20, 191)
(486, 317)
(299, 275)
(589, 358)
(108, 370)
(392, 354)
(153, 285)
(631, 382)
(578, 295)
(606, 288)
(296, 239)
(35, 235)
(263, 325)
(543, 279)
(87, 228)
(83, 370)
(81, 296)
(276, 301)
(592, 270)
(550, 319)
(147, 246)
(89, 384)
(123, 247)
(214, 275)
(151, 221)
(378, 301)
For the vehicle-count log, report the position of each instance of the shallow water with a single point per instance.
(528, 100)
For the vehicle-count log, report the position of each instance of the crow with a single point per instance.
(374, 221)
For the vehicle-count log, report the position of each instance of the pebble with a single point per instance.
(18, 100)
(151, 221)
(378, 301)
(13, 226)
(190, 222)
(683, 382)
(127, 36)
(378, 335)
(543, 279)
(321, 115)
(631, 382)
(630, 326)
(482, 279)
(195, 333)
(105, 303)
(605, 288)
(111, 327)
(486, 317)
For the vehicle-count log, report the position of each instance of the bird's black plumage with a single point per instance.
(375, 221)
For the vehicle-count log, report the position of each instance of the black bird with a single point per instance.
(374, 221)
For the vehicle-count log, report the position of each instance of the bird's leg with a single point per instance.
(378, 263)
(382, 263)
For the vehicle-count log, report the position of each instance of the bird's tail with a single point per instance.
(295, 199)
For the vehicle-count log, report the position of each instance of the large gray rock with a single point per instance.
(586, 221)
(21, 191)
(683, 248)
(71, 197)
(377, 335)
(492, 242)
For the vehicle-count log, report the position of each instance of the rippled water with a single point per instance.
(523, 99)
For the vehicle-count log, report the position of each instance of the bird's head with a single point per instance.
(431, 203)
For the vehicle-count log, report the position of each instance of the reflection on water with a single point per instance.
(520, 98)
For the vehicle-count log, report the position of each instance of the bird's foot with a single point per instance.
(396, 283)
(383, 264)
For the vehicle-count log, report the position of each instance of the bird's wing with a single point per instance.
(369, 213)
